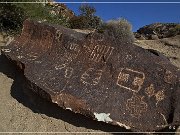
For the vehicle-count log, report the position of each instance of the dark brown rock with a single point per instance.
(120, 84)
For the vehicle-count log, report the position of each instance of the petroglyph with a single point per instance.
(32, 56)
(6, 50)
(164, 118)
(58, 35)
(138, 81)
(68, 72)
(159, 96)
(129, 57)
(169, 77)
(75, 48)
(136, 106)
(123, 77)
(72, 51)
(165, 121)
(150, 91)
(19, 57)
(58, 67)
(101, 53)
(91, 76)
(130, 79)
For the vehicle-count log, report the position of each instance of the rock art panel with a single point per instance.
(91, 74)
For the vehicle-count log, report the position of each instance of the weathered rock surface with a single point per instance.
(93, 75)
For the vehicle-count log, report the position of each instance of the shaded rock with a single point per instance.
(93, 75)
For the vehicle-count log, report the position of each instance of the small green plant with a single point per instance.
(177, 29)
(11, 18)
(12, 15)
(120, 30)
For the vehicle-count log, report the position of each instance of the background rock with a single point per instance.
(158, 30)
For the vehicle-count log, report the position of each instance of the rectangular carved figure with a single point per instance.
(130, 79)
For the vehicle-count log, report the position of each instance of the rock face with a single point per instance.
(158, 31)
(93, 75)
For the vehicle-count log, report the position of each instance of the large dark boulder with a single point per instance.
(91, 74)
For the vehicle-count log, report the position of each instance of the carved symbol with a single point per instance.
(159, 96)
(169, 77)
(61, 66)
(101, 52)
(137, 81)
(129, 57)
(72, 52)
(68, 70)
(73, 47)
(130, 79)
(6, 50)
(136, 105)
(58, 35)
(123, 77)
(150, 91)
(91, 76)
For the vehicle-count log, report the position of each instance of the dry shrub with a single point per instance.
(120, 30)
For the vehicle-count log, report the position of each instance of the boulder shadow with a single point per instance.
(39, 105)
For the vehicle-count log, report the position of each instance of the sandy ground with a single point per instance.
(170, 47)
(22, 111)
